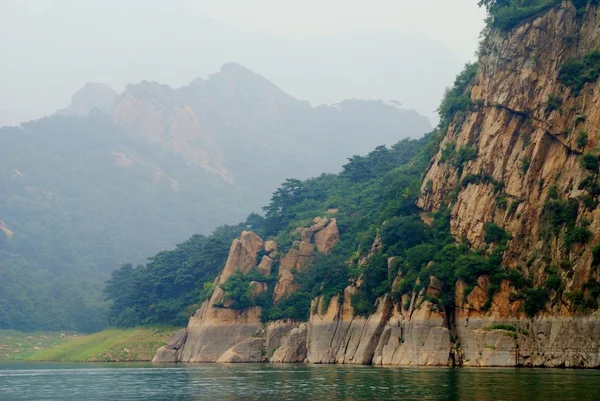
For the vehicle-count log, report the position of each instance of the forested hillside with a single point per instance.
(78, 197)
(380, 187)
(114, 178)
(373, 197)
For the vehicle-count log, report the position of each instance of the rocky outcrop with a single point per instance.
(270, 247)
(525, 148)
(249, 350)
(326, 238)
(294, 261)
(292, 347)
(93, 96)
(178, 339)
(242, 255)
(218, 332)
(216, 329)
(265, 266)
(170, 352)
(323, 234)
(166, 355)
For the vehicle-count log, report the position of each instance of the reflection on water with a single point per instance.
(289, 382)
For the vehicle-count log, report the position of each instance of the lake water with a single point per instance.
(264, 382)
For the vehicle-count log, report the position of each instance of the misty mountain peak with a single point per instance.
(91, 96)
(198, 82)
(235, 68)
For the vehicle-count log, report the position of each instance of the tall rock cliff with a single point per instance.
(529, 133)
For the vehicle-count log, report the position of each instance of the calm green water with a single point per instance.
(288, 382)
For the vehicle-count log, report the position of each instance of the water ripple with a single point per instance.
(287, 382)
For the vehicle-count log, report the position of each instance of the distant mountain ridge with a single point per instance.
(212, 123)
(222, 123)
(114, 177)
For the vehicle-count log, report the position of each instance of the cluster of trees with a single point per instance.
(172, 284)
(576, 73)
(34, 298)
(369, 190)
(508, 14)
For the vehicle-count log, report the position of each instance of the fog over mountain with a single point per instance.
(323, 53)
(113, 178)
(128, 126)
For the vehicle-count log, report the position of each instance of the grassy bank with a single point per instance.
(112, 345)
(16, 346)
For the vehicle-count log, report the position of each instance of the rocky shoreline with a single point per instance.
(415, 335)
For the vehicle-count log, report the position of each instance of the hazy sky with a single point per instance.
(317, 50)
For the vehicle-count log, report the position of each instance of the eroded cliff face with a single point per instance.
(526, 153)
(219, 332)
(410, 331)
(522, 144)
(170, 125)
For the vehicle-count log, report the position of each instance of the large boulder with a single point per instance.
(249, 350)
(242, 255)
(178, 339)
(319, 223)
(170, 352)
(326, 238)
(270, 247)
(265, 266)
(293, 347)
(166, 355)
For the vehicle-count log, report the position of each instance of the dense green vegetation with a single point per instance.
(508, 14)
(457, 99)
(171, 284)
(16, 345)
(111, 345)
(80, 198)
(561, 216)
(576, 73)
